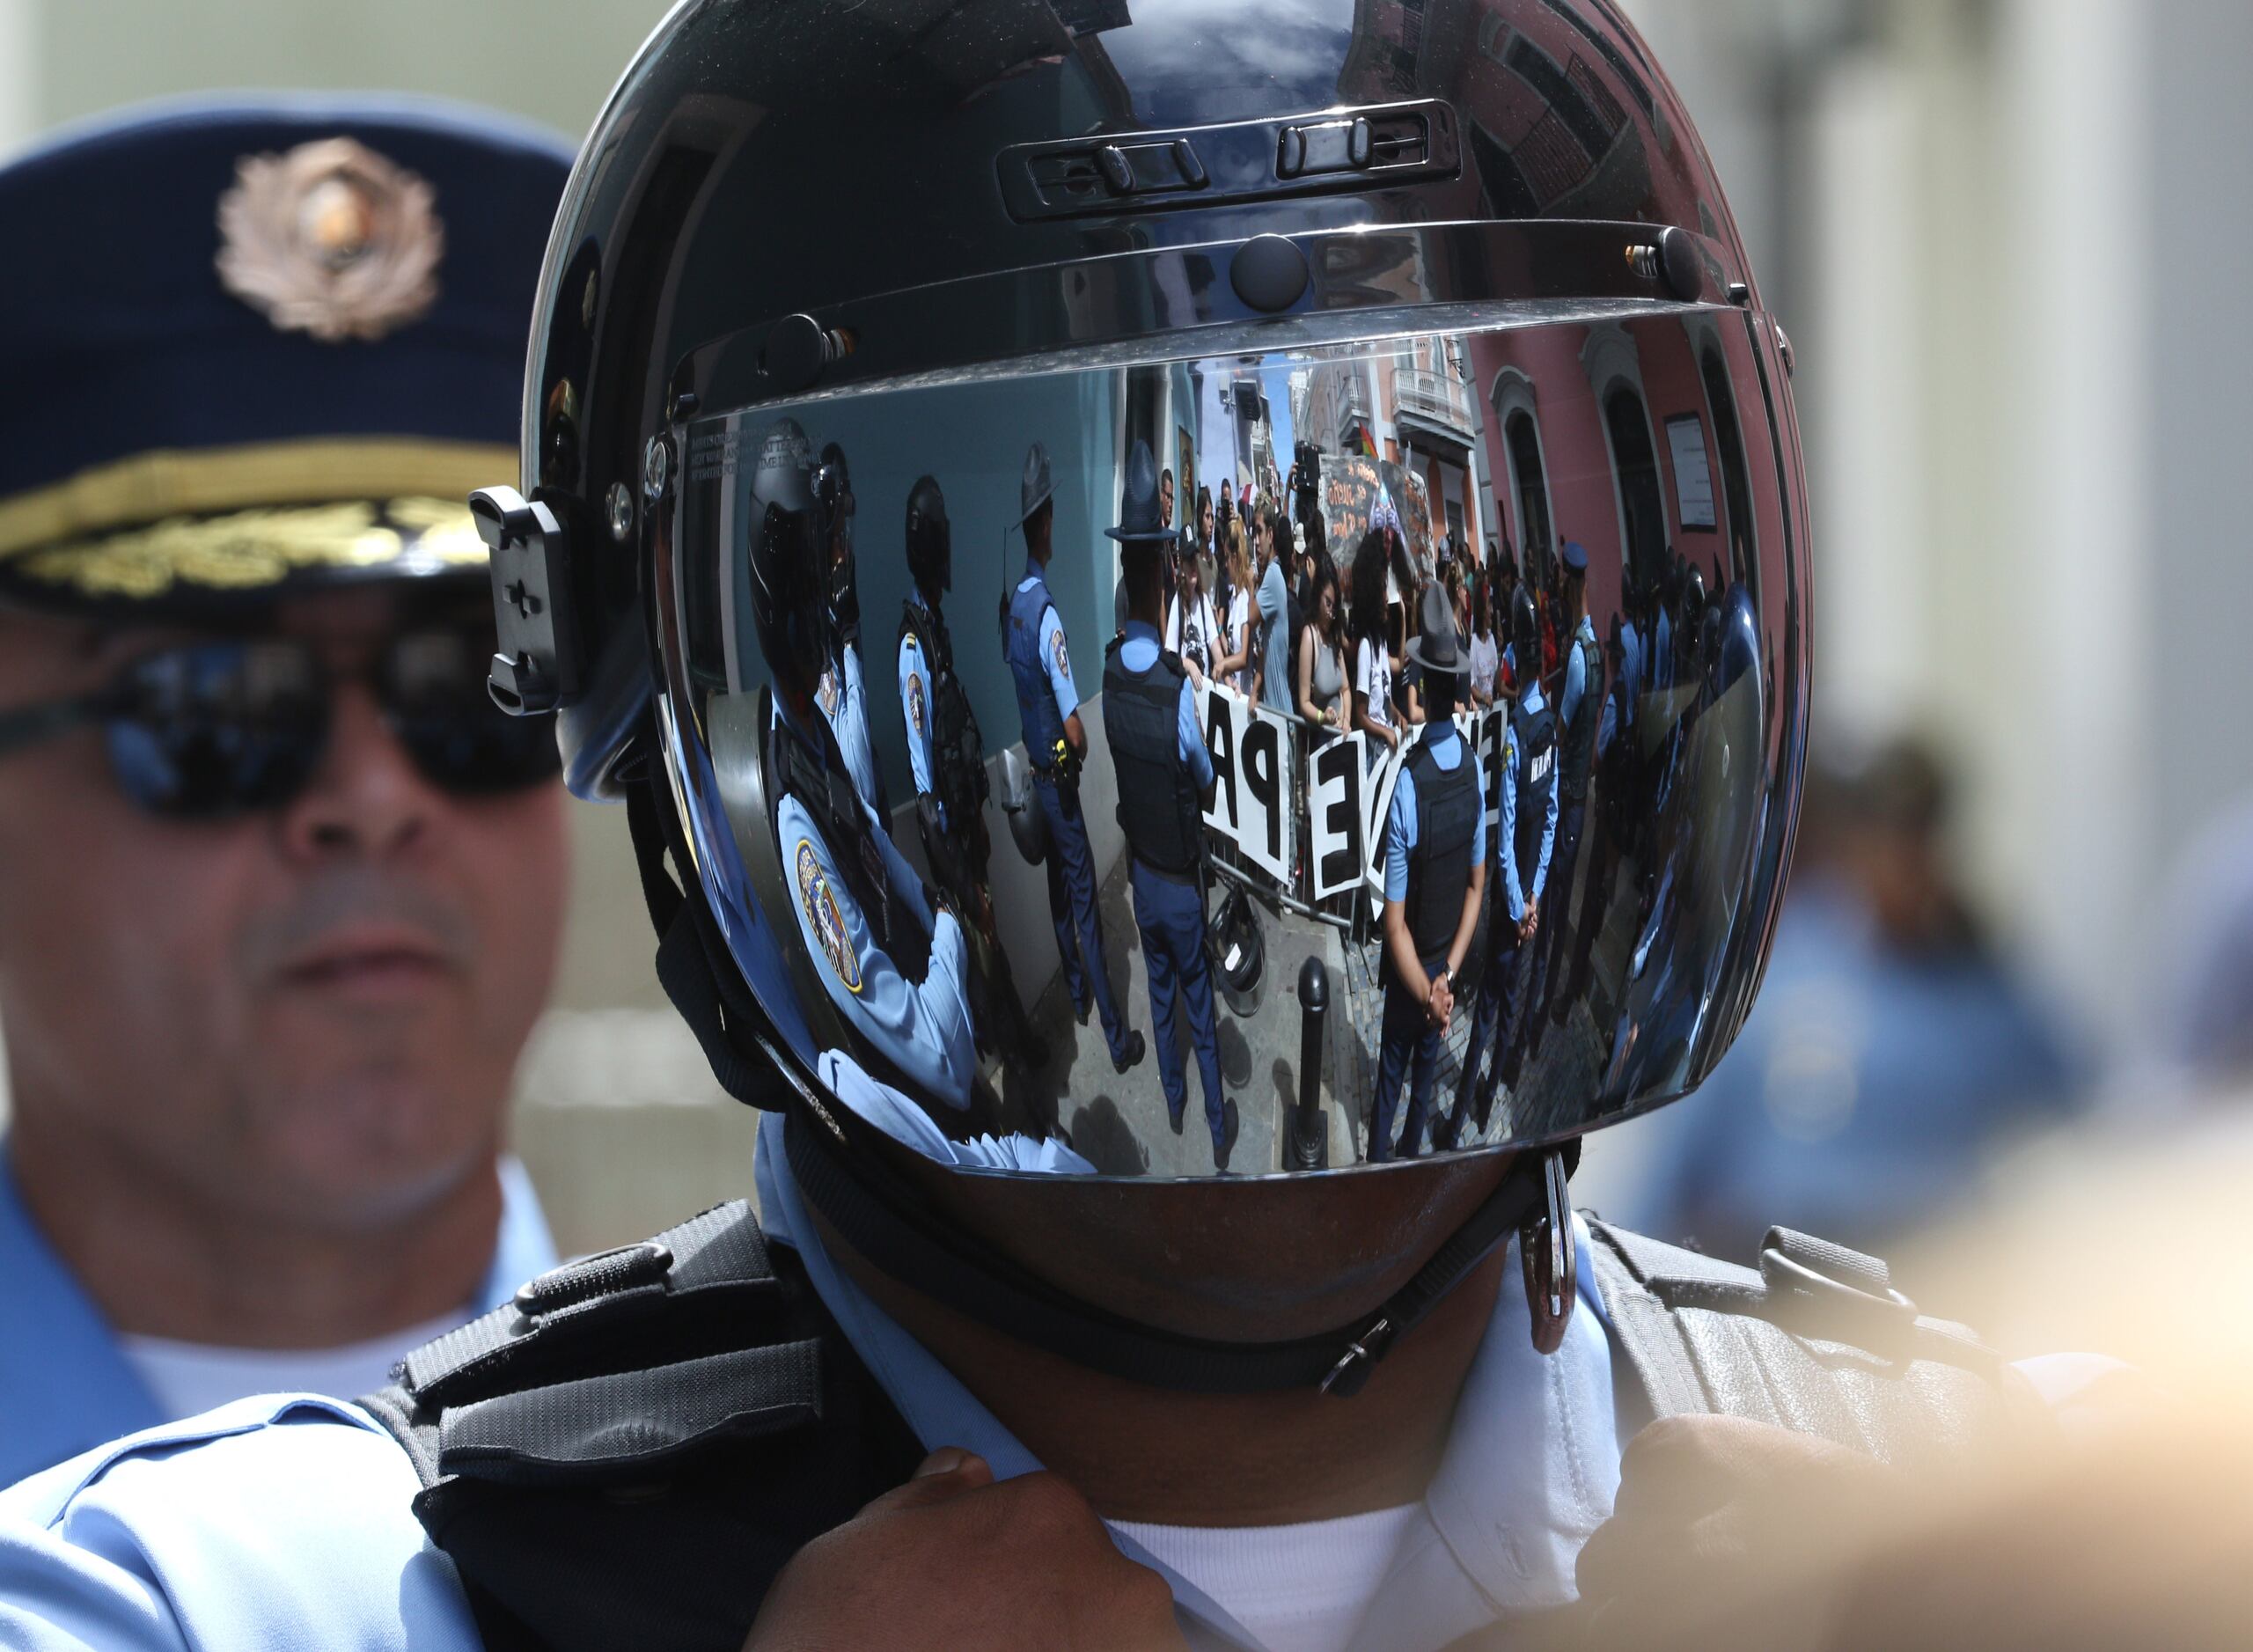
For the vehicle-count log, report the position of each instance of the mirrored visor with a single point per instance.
(1264, 764)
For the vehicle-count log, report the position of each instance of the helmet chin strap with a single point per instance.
(882, 1217)
(887, 1222)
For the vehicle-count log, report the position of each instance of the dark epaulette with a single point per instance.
(1817, 1340)
(627, 1455)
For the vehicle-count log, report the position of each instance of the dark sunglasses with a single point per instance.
(209, 730)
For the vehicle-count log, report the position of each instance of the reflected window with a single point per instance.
(1643, 506)
(1524, 442)
(1736, 479)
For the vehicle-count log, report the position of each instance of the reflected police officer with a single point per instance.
(1526, 837)
(843, 692)
(1435, 878)
(1580, 703)
(1149, 715)
(1055, 744)
(946, 753)
(894, 972)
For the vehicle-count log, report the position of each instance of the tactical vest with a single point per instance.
(1578, 743)
(1536, 734)
(630, 1456)
(958, 749)
(1158, 806)
(1036, 699)
(1448, 810)
(809, 767)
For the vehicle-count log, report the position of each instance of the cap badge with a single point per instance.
(331, 240)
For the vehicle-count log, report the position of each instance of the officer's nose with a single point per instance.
(367, 798)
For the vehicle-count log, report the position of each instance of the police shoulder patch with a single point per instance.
(915, 703)
(1063, 659)
(819, 901)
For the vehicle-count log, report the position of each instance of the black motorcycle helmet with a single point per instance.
(1525, 633)
(936, 232)
(930, 541)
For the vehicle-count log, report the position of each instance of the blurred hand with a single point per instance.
(1729, 1534)
(1530, 923)
(1441, 1005)
(953, 1559)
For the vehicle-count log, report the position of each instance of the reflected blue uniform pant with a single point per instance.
(1410, 1050)
(1556, 926)
(1172, 918)
(1502, 1005)
(1071, 903)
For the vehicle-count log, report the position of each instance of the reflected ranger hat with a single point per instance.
(260, 344)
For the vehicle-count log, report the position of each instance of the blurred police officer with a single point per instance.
(1056, 743)
(843, 693)
(1434, 877)
(895, 972)
(1579, 705)
(1526, 838)
(1165, 777)
(280, 888)
(946, 754)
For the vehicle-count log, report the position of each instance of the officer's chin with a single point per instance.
(1243, 1259)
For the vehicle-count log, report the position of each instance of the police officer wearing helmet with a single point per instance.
(1109, 1382)
(843, 692)
(1434, 877)
(280, 887)
(1525, 841)
(1055, 744)
(947, 756)
(1165, 776)
(895, 972)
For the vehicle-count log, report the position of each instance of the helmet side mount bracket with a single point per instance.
(536, 668)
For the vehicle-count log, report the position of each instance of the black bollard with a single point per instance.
(1310, 1143)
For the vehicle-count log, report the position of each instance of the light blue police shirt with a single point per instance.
(1569, 698)
(1055, 657)
(1448, 748)
(65, 1384)
(922, 1027)
(843, 696)
(1138, 653)
(916, 711)
(287, 1522)
(1520, 890)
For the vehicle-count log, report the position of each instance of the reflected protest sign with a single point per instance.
(1333, 807)
(1251, 747)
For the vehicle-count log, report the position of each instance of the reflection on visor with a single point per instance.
(1208, 718)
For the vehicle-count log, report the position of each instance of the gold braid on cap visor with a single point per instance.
(242, 518)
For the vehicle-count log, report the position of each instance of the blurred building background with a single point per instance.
(2008, 240)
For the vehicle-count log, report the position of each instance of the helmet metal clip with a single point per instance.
(1546, 1248)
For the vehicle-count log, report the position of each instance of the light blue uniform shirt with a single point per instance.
(1055, 656)
(1138, 653)
(922, 1027)
(66, 1384)
(1520, 890)
(915, 710)
(1449, 748)
(288, 1522)
(843, 696)
(1569, 698)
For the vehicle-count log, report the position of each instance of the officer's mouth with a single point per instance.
(371, 963)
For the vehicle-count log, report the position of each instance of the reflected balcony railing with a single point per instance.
(1438, 398)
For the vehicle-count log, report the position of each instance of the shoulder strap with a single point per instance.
(1817, 1340)
(628, 1454)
